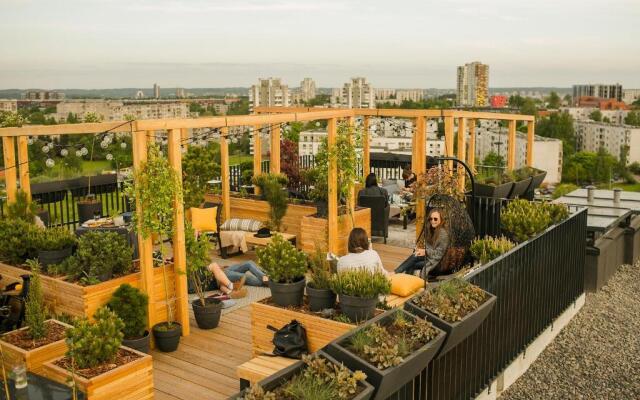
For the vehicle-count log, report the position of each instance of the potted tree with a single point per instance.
(40, 339)
(156, 186)
(206, 310)
(286, 267)
(89, 207)
(317, 376)
(54, 245)
(390, 349)
(130, 305)
(455, 306)
(319, 293)
(273, 190)
(358, 291)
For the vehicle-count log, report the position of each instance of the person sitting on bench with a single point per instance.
(231, 279)
(372, 189)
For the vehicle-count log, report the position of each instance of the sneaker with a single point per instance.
(237, 285)
(238, 293)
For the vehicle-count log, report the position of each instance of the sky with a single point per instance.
(403, 43)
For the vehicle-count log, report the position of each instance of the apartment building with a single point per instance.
(473, 85)
(597, 90)
(180, 93)
(8, 105)
(116, 110)
(630, 95)
(156, 90)
(583, 114)
(42, 95)
(397, 96)
(591, 136)
(357, 94)
(269, 92)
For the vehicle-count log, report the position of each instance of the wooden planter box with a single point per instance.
(69, 298)
(320, 331)
(33, 359)
(132, 381)
(313, 230)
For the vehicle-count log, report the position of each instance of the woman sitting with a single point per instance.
(372, 189)
(429, 250)
(409, 178)
(230, 280)
(360, 256)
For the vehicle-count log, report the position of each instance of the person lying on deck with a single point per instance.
(360, 255)
(230, 280)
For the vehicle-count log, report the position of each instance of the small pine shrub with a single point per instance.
(557, 211)
(55, 239)
(22, 208)
(272, 185)
(93, 344)
(130, 305)
(320, 275)
(488, 248)
(361, 283)
(524, 219)
(35, 312)
(281, 261)
(18, 240)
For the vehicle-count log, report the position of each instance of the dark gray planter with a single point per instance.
(207, 316)
(106, 276)
(320, 299)
(87, 210)
(50, 257)
(287, 294)
(357, 308)
(391, 379)
(141, 344)
(498, 192)
(274, 381)
(167, 340)
(520, 188)
(322, 208)
(456, 331)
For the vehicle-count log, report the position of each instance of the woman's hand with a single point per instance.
(420, 252)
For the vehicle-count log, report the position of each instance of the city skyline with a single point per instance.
(104, 44)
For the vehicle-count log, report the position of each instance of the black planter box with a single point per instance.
(387, 381)
(277, 379)
(519, 188)
(456, 331)
(497, 192)
(537, 180)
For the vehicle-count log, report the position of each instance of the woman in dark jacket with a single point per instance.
(371, 188)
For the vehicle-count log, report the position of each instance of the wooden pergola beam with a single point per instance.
(448, 140)
(257, 154)
(224, 174)
(23, 161)
(471, 157)
(332, 202)
(420, 165)
(274, 160)
(10, 167)
(462, 127)
(511, 146)
(531, 133)
(366, 147)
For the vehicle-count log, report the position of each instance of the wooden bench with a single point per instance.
(397, 301)
(258, 368)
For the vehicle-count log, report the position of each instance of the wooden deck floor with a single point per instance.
(204, 366)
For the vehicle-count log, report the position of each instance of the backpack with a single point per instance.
(290, 340)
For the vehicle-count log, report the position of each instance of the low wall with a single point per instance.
(603, 258)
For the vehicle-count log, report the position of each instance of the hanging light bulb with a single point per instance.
(50, 163)
(84, 151)
(104, 145)
(318, 124)
(45, 149)
(123, 145)
(109, 156)
(30, 141)
(78, 153)
(64, 152)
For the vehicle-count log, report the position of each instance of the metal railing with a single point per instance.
(485, 214)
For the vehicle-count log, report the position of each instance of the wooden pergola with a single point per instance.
(143, 131)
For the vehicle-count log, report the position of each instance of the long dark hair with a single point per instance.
(371, 180)
(358, 241)
(432, 234)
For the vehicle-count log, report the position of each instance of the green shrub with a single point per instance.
(130, 305)
(198, 261)
(18, 240)
(22, 208)
(281, 261)
(320, 275)
(35, 312)
(272, 186)
(524, 173)
(488, 248)
(557, 211)
(55, 239)
(93, 344)
(452, 300)
(524, 219)
(563, 189)
(361, 283)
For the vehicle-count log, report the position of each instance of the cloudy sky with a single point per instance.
(401, 43)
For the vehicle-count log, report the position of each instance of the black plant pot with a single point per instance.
(456, 331)
(320, 299)
(497, 192)
(88, 210)
(358, 308)
(287, 294)
(389, 380)
(50, 257)
(105, 276)
(536, 181)
(520, 188)
(207, 316)
(167, 338)
(274, 381)
(322, 208)
(141, 344)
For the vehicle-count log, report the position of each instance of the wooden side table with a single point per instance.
(252, 240)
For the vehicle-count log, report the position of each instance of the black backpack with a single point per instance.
(290, 340)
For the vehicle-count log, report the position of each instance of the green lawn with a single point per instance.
(239, 158)
(58, 173)
(629, 187)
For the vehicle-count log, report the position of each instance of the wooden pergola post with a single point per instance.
(511, 146)
(224, 173)
(531, 129)
(448, 140)
(10, 180)
(275, 149)
(179, 249)
(139, 141)
(23, 160)
(332, 219)
(471, 155)
(257, 155)
(462, 127)
(366, 147)
(420, 165)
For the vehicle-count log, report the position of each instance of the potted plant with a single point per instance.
(40, 339)
(54, 245)
(319, 293)
(455, 306)
(89, 207)
(489, 247)
(22, 208)
(537, 177)
(156, 187)
(317, 376)
(316, 178)
(286, 267)
(207, 311)
(273, 189)
(390, 349)
(522, 219)
(358, 291)
(18, 240)
(130, 305)
(496, 185)
(98, 365)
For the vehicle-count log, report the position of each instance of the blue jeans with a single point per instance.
(237, 271)
(411, 264)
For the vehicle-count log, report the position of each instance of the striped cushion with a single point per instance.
(239, 224)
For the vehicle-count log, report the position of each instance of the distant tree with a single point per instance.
(493, 159)
(559, 126)
(633, 118)
(292, 131)
(200, 164)
(516, 101)
(319, 100)
(568, 99)
(528, 107)
(290, 162)
(553, 101)
(240, 107)
(636, 103)
(195, 107)
(587, 167)
(9, 119)
(596, 115)
(606, 119)
(72, 118)
(93, 117)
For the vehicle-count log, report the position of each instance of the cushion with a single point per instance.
(404, 285)
(204, 219)
(239, 224)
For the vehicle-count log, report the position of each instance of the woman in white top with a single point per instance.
(360, 256)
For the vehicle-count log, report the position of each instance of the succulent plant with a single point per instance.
(490, 247)
(452, 300)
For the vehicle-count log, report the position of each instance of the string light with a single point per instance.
(64, 152)
(50, 163)
(109, 156)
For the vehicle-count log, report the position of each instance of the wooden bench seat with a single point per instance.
(397, 301)
(261, 367)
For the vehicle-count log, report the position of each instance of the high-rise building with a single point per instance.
(156, 91)
(180, 93)
(630, 95)
(358, 94)
(308, 89)
(43, 95)
(269, 93)
(597, 90)
(473, 85)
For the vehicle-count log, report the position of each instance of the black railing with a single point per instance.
(534, 283)
(486, 214)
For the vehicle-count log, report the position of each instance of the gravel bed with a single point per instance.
(596, 356)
